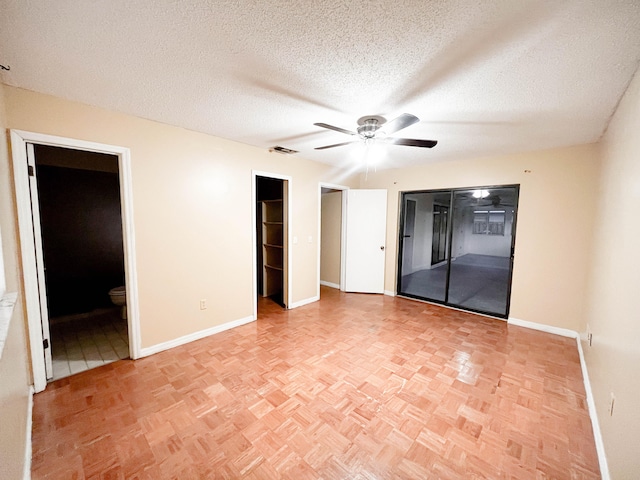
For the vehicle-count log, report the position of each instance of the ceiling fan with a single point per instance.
(495, 201)
(376, 128)
(482, 198)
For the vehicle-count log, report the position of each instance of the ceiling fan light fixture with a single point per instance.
(480, 193)
(369, 128)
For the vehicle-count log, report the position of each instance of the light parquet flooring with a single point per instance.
(351, 387)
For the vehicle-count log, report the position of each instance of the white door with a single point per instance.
(37, 234)
(365, 241)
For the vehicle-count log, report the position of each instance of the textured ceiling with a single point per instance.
(484, 77)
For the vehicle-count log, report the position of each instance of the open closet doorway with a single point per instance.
(331, 224)
(272, 241)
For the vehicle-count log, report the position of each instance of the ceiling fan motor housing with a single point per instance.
(368, 126)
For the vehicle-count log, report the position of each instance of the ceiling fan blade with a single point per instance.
(337, 129)
(403, 121)
(411, 142)
(334, 145)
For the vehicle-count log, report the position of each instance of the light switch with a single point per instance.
(310, 239)
(295, 240)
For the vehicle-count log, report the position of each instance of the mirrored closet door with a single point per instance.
(456, 247)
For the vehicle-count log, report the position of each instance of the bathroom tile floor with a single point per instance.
(86, 341)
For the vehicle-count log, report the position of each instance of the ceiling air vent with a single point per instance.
(284, 150)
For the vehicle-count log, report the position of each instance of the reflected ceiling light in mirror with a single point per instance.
(480, 193)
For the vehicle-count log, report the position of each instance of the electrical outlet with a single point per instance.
(612, 401)
(203, 304)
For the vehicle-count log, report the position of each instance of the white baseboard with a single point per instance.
(329, 284)
(595, 424)
(160, 347)
(145, 352)
(563, 332)
(28, 452)
(306, 301)
(390, 293)
(591, 405)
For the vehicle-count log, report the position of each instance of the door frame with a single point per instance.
(446, 236)
(287, 203)
(19, 141)
(404, 224)
(343, 230)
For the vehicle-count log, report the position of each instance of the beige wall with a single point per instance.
(331, 231)
(613, 313)
(192, 212)
(14, 371)
(555, 222)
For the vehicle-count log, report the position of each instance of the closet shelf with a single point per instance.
(272, 247)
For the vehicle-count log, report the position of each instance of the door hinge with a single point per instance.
(45, 343)
(32, 172)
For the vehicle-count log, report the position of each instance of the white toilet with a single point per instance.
(118, 297)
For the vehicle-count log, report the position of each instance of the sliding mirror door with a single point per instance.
(456, 247)
(483, 221)
(425, 244)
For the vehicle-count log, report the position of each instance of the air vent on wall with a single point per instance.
(284, 150)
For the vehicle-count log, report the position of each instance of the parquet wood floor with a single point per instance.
(351, 387)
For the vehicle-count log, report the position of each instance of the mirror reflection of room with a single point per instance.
(456, 247)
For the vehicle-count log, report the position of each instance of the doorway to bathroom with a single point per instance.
(76, 195)
(23, 145)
